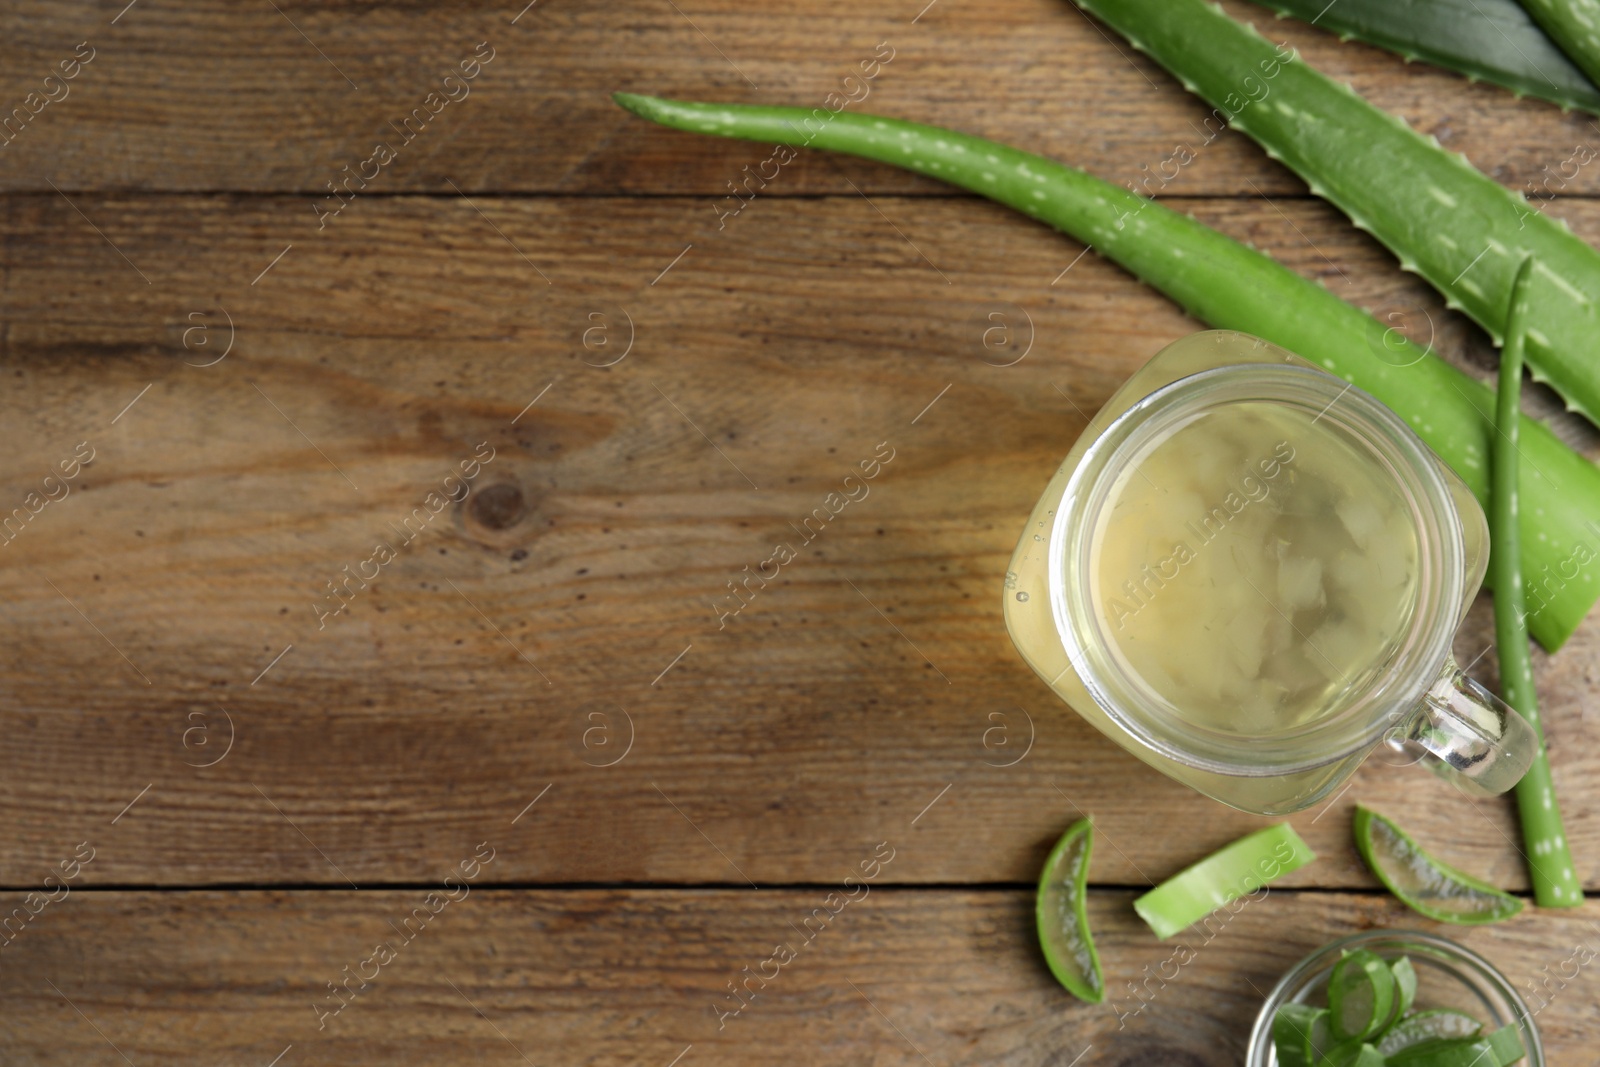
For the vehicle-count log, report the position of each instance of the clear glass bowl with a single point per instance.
(1448, 976)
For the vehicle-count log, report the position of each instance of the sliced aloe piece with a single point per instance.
(1361, 996)
(1405, 985)
(1500, 1049)
(1225, 875)
(1422, 883)
(1505, 1044)
(1444, 1052)
(1062, 915)
(1299, 1034)
(1352, 1054)
(1495, 40)
(1428, 1025)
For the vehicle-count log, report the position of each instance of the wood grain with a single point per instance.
(467, 677)
(216, 96)
(543, 667)
(616, 977)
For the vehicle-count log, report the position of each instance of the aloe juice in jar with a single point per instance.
(1251, 565)
(1246, 573)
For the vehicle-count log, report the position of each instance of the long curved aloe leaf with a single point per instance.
(1229, 286)
(1445, 220)
(1493, 40)
(1550, 867)
(1575, 25)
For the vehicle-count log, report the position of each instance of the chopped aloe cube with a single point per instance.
(1227, 874)
(1062, 916)
(1427, 886)
(1361, 996)
(1426, 1026)
(1300, 583)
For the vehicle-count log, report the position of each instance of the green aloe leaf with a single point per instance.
(1493, 40)
(1440, 216)
(1575, 25)
(1231, 287)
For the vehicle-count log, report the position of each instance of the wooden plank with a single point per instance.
(217, 96)
(564, 596)
(609, 977)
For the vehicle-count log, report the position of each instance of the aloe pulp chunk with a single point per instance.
(1427, 1026)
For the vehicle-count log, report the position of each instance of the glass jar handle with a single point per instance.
(1468, 736)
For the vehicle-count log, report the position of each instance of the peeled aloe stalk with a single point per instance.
(1493, 40)
(1445, 220)
(1575, 25)
(1229, 286)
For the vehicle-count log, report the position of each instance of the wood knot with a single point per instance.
(498, 507)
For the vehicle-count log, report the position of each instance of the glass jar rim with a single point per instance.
(1386, 700)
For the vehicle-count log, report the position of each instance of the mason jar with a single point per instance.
(1247, 573)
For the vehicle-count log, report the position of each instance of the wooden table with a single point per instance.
(278, 740)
